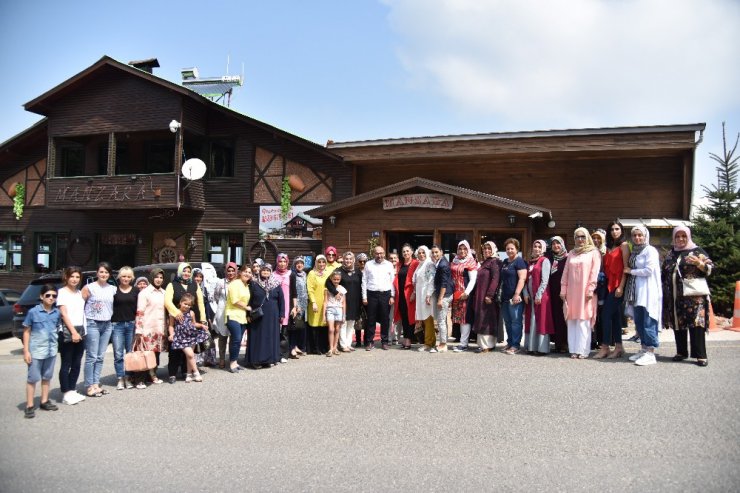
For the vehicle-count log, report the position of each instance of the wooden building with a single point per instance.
(102, 181)
(526, 185)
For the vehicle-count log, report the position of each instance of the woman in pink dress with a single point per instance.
(577, 292)
(538, 325)
(150, 322)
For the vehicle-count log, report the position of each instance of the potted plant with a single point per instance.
(285, 199)
(19, 201)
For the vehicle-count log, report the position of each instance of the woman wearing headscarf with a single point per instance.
(150, 323)
(686, 314)
(599, 238)
(318, 334)
(423, 282)
(220, 290)
(613, 308)
(208, 357)
(484, 302)
(352, 282)
(183, 283)
(405, 306)
(361, 322)
(263, 339)
(332, 259)
(464, 273)
(643, 295)
(284, 275)
(560, 328)
(299, 290)
(538, 324)
(577, 290)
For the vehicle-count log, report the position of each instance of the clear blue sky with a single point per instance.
(362, 69)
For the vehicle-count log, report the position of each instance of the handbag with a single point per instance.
(139, 361)
(298, 322)
(67, 335)
(204, 346)
(256, 314)
(696, 286)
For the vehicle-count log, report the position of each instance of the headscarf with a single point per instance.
(272, 280)
(316, 264)
(557, 258)
(300, 285)
(494, 249)
(588, 246)
(277, 262)
(469, 261)
(259, 262)
(690, 245)
(602, 234)
(141, 278)
(210, 280)
(423, 265)
(284, 277)
(232, 264)
(543, 243)
(180, 268)
(198, 271)
(330, 249)
(352, 267)
(361, 257)
(302, 260)
(630, 286)
(154, 273)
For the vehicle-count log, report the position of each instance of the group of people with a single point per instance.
(557, 300)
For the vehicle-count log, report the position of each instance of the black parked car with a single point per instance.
(8, 298)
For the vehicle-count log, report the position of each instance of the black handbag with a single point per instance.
(204, 346)
(256, 314)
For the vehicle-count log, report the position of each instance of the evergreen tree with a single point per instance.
(717, 228)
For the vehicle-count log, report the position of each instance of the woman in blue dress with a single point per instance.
(263, 339)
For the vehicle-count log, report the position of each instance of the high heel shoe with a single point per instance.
(617, 353)
(603, 352)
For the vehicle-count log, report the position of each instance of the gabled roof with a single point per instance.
(435, 186)
(310, 220)
(41, 103)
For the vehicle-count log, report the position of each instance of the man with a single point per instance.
(377, 296)
(443, 288)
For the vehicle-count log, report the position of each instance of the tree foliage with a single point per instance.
(717, 227)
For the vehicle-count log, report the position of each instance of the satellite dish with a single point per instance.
(193, 169)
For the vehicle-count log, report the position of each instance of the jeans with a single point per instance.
(69, 370)
(513, 320)
(235, 341)
(123, 340)
(440, 318)
(611, 319)
(646, 327)
(96, 342)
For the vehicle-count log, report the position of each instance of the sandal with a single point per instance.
(94, 392)
(222, 364)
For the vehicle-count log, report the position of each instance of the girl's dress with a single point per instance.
(187, 334)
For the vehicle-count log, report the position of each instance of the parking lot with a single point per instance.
(388, 421)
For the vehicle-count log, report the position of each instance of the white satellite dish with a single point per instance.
(193, 169)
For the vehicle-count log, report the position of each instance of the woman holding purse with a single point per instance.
(71, 342)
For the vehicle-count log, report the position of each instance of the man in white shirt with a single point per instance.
(377, 296)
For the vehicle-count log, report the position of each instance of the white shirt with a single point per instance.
(378, 277)
(75, 305)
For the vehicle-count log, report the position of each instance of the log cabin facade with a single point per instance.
(101, 173)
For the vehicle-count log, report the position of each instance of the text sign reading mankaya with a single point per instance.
(102, 193)
(426, 200)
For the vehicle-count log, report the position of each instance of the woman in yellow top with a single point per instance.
(318, 342)
(237, 306)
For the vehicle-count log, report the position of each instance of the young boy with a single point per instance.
(40, 348)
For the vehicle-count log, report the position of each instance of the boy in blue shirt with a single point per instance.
(40, 348)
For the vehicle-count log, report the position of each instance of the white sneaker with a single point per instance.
(188, 378)
(69, 398)
(197, 377)
(646, 359)
(283, 360)
(422, 349)
(78, 397)
(637, 355)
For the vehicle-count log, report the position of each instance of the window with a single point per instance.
(158, 157)
(221, 159)
(118, 249)
(224, 247)
(11, 258)
(71, 160)
(51, 252)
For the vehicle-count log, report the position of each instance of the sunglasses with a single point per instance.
(50, 296)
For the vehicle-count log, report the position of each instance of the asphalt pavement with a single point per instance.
(391, 421)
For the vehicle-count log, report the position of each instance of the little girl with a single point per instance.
(186, 334)
(334, 310)
(40, 348)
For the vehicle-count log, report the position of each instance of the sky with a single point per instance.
(370, 69)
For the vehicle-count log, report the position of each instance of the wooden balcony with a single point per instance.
(124, 192)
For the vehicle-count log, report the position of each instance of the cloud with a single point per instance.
(573, 62)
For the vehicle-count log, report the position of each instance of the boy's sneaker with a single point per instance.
(30, 412)
(647, 359)
(48, 406)
(637, 355)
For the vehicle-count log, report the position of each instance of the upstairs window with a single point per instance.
(51, 252)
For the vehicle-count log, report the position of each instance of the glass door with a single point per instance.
(449, 240)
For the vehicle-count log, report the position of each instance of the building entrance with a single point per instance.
(395, 239)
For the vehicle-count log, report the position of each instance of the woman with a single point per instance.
(71, 342)
(124, 321)
(538, 324)
(484, 303)
(332, 259)
(183, 283)
(263, 347)
(464, 274)
(352, 282)
(686, 314)
(560, 328)
(577, 290)
(405, 306)
(318, 342)
(284, 275)
(613, 309)
(299, 290)
(219, 317)
(513, 277)
(151, 322)
(423, 282)
(361, 321)
(643, 295)
(98, 298)
(207, 357)
(237, 308)
(599, 238)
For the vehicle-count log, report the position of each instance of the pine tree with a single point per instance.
(717, 228)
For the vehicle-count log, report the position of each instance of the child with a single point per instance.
(334, 309)
(40, 348)
(187, 333)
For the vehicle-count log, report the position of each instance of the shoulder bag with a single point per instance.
(696, 286)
